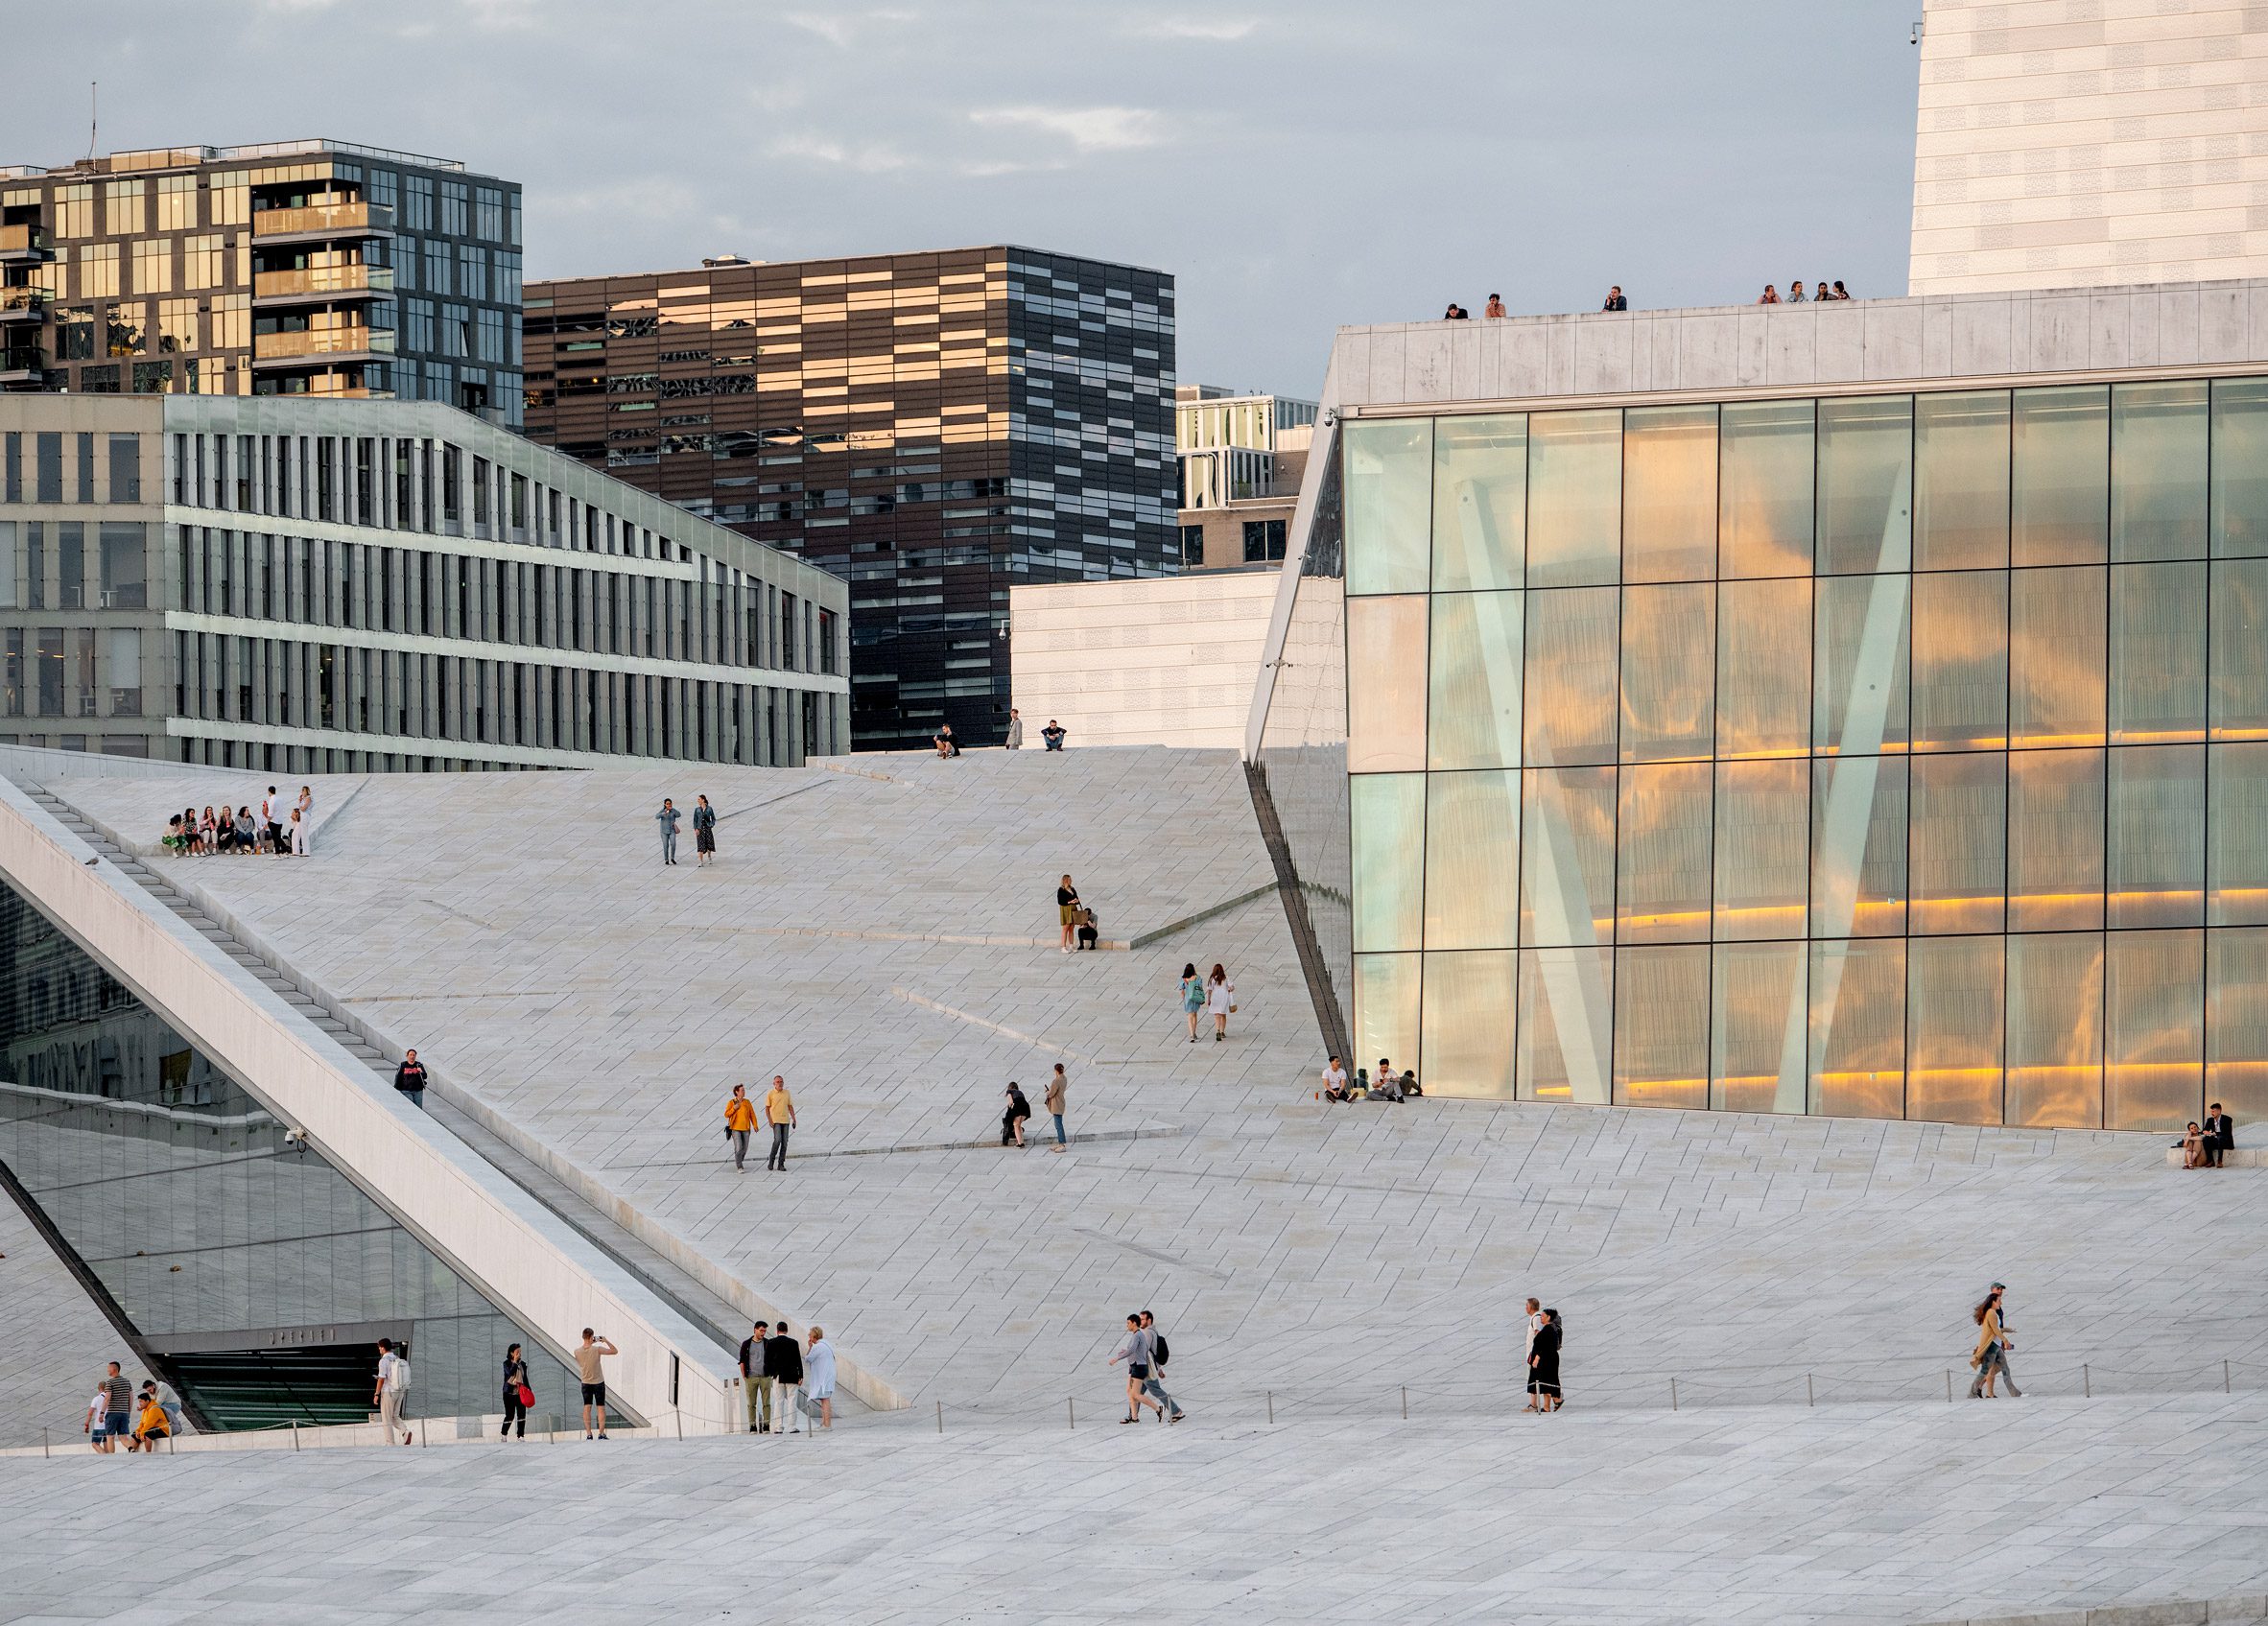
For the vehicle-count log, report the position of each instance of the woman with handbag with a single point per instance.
(518, 1396)
(1192, 996)
(1221, 995)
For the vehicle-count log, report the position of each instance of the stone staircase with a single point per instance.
(710, 1315)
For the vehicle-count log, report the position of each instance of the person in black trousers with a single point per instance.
(515, 1374)
(1542, 1365)
(2220, 1136)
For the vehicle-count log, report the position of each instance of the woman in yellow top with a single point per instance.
(740, 1122)
(1993, 1344)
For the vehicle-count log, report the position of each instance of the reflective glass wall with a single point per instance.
(255, 1275)
(1891, 755)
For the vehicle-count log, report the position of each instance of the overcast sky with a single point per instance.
(1295, 166)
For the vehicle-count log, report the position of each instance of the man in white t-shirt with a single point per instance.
(394, 1386)
(1335, 1082)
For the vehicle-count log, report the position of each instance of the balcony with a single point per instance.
(319, 285)
(321, 344)
(24, 304)
(23, 369)
(318, 222)
(24, 245)
(330, 385)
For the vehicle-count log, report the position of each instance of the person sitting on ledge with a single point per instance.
(2195, 1146)
(2220, 1135)
(175, 842)
(1052, 733)
(1385, 1084)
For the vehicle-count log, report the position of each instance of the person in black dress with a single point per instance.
(1543, 1365)
(1011, 1120)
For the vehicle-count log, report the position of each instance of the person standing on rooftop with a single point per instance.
(1067, 911)
(740, 1123)
(704, 833)
(301, 826)
(272, 814)
(779, 1111)
(516, 1384)
(818, 1369)
(1614, 301)
(1015, 740)
(753, 1379)
(410, 1078)
(591, 1366)
(667, 818)
(1496, 306)
(783, 1361)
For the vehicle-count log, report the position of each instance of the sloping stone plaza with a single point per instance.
(881, 930)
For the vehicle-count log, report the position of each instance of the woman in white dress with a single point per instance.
(299, 848)
(818, 1375)
(1220, 998)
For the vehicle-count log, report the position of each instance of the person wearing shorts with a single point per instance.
(588, 1356)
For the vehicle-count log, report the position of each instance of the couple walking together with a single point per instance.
(1145, 1351)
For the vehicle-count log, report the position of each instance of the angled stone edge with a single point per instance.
(535, 1267)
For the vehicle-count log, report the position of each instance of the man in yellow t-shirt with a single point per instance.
(740, 1119)
(779, 1111)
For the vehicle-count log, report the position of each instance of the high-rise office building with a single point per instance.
(300, 267)
(934, 428)
(316, 586)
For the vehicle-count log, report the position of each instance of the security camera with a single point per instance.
(295, 1137)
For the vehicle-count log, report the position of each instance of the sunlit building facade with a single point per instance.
(1859, 712)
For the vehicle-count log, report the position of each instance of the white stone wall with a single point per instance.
(1160, 661)
(2083, 143)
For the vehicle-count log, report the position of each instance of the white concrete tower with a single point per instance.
(2085, 143)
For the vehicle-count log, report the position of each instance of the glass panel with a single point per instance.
(1385, 1008)
(1953, 1029)
(2157, 500)
(1474, 710)
(1569, 715)
(1661, 1028)
(1567, 893)
(2236, 1022)
(2156, 665)
(1866, 447)
(1859, 1028)
(1479, 502)
(1959, 836)
(2240, 467)
(1668, 656)
(2155, 862)
(1757, 1026)
(1858, 847)
(1763, 828)
(1471, 860)
(1574, 497)
(1960, 677)
(1386, 684)
(2055, 1030)
(1566, 1016)
(1469, 1004)
(1859, 674)
(2055, 841)
(2060, 496)
(1661, 889)
(2236, 834)
(1763, 675)
(1386, 814)
(2056, 670)
(2154, 1031)
(1669, 494)
(1961, 480)
(1388, 483)
(1764, 498)
(2239, 653)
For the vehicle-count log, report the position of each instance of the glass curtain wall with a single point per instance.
(1898, 756)
(254, 1276)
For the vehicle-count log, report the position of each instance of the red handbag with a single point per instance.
(527, 1397)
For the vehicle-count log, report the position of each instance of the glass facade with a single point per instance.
(249, 1272)
(1886, 756)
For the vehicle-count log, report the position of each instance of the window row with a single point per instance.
(2133, 837)
(2125, 1030)
(61, 466)
(283, 683)
(2042, 657)
(77, 672)
(2069, 474)
(44, 565)
(725, 618)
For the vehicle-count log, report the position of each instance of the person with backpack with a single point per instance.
(518, 1396)
(1134, 1350)
(393, 1389)
(1158, 1356)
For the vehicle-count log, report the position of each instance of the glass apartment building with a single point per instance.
(350, 586)
(1852, 750)
(293, 268)
(932, 428)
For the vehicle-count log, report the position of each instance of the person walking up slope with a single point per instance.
(704, 833)
(1193, 996)
(393, 1389)
(779, 1111)
(668, 818)
(1221, 995)
(740, 1123)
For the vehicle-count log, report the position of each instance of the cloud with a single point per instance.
(1090, 129)
(873, 157)
(839, 29)
(1220, 29)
